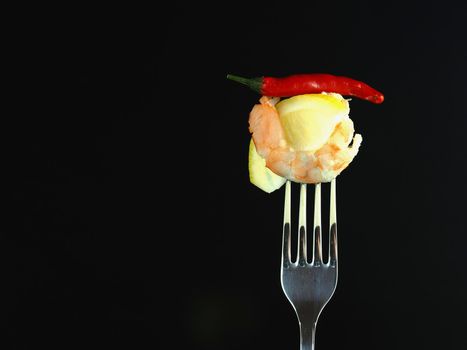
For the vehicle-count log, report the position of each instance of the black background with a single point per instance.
(130, 219)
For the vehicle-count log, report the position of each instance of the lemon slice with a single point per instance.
(260, 175)
(309, 120)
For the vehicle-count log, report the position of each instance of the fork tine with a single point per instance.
(317, 251)
(333, 226)
(301, 251)
(286, 234)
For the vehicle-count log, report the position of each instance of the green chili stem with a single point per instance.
(253, 83)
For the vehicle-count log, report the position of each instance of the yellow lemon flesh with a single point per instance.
(260, 175)
(309, 120)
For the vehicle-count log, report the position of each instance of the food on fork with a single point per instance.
(308, 137)
(304, 139)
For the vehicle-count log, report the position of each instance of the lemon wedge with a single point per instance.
(260, 175)
(309, 120)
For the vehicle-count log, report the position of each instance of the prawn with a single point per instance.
(303, 166)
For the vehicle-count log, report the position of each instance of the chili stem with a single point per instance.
(253, 83)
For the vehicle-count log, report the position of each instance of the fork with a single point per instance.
(309, 285)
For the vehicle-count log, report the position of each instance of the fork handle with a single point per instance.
(307, 336)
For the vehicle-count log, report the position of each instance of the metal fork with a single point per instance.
(309, 285)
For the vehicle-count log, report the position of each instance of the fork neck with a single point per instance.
(307, 336)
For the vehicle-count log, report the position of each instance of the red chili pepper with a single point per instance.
(309, 84)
